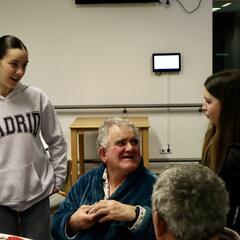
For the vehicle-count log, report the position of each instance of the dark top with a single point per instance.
(230, 173)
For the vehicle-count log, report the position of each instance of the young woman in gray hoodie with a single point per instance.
(28, 174)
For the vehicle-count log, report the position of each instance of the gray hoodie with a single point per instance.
(28, 173)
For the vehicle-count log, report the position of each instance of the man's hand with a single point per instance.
(81, 220)
(111, 210)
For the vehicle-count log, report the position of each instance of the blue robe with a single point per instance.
(135, 190)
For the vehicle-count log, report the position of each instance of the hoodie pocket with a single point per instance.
(19, 184)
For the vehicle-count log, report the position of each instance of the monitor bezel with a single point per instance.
(170, 69)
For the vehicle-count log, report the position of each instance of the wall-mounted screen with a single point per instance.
(166, 62)
(113, 1)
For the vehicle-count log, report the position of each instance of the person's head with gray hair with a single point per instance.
(189, 202)
(118, 147)
(103, 131)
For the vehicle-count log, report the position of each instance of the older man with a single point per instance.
(112, 201)
(190, 203)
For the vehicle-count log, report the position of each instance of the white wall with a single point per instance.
(101, 54)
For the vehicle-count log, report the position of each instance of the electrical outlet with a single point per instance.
(165, 150)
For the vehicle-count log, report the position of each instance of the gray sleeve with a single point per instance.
(53, 136)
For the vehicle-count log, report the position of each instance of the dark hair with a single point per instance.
(9, 42)
(225, 86)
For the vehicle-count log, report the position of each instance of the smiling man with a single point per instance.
(112, 201)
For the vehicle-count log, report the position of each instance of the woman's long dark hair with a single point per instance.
(225, 86)
(9, 42)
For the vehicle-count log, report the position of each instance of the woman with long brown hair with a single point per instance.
(221, 149)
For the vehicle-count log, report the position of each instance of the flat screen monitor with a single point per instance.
(113, 1)
(166, 62)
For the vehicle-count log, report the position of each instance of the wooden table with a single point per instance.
(82, 124)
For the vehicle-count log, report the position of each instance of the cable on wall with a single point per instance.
(168, 114)
(167, 4)
(195, 9)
